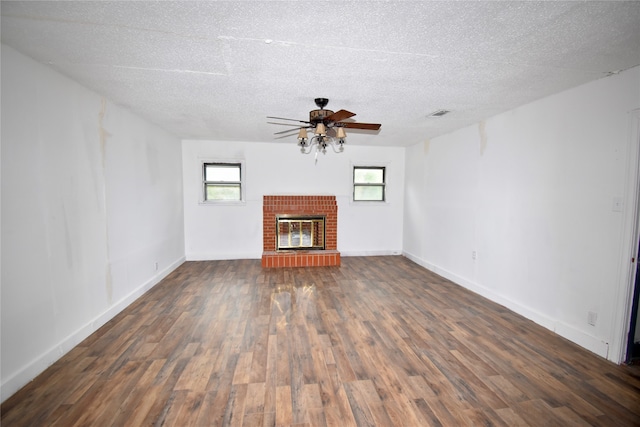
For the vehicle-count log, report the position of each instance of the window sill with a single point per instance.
(222, 203)
(369, 202)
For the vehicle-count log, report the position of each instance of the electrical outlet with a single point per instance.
(156, 265)
(592, 317)
(618, 204)
(474, 255)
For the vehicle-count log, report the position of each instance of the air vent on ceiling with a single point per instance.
(438, 113)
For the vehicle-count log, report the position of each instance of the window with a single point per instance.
(222, 181)
(368, 183)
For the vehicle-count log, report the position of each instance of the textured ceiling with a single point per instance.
(216, 70)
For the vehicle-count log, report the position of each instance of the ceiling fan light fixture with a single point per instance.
(302, 139)
(321, 130)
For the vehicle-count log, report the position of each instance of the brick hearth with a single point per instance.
(299, 205)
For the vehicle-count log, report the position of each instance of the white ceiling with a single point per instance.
(216, 70)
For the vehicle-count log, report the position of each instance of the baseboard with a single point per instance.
(226, 256)
(199, 256)
(584, 340)
(370, 253)
(574, 335)
(37, 366)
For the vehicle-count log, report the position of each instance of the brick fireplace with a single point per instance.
(301, 206)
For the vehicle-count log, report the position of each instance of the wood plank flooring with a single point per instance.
(378, 341)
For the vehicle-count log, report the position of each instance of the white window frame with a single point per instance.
(202, 183)
(385, 184)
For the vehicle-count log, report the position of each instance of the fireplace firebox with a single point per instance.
(300, 232)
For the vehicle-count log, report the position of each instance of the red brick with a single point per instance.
(307, 205)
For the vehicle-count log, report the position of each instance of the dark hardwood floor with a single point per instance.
(378, 341)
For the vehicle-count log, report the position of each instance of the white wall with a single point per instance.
(91, 200)
(532, 192)
(231, 232)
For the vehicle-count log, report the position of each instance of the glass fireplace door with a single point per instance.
(300, 232)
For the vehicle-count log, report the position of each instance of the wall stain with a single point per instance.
(483, 136)
(109, 284)
(103, 134)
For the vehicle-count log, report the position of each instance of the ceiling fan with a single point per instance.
(328, 127)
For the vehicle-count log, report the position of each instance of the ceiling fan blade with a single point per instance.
(284, 124)
(292, 131)
(356, 125)
(293, 120)
(283, 136)
(339, 115)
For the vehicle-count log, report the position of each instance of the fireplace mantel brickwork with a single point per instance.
(299, 205)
